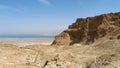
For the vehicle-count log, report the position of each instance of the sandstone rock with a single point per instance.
(62, 39)
(88, 30)
(118, 37)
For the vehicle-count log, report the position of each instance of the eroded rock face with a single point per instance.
(88, 30)
(62, 39)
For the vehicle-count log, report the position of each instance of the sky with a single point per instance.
(48, 17)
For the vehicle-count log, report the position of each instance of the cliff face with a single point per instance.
(88, 30)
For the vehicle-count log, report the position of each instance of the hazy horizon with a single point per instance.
(25, 36)
(48, 17)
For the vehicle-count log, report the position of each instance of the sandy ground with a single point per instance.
(26, 41)
(102, 54)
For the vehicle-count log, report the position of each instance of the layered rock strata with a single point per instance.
(88, 30)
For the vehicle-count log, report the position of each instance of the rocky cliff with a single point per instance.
(88, 30)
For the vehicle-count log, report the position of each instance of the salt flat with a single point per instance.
(26, 41)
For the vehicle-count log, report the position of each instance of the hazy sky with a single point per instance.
(48, 16)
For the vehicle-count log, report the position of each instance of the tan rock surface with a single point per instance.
(102, 54)
(88, 30)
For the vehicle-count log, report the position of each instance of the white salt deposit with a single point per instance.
(26, 41)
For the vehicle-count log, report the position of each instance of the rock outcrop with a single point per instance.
(88, 30)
